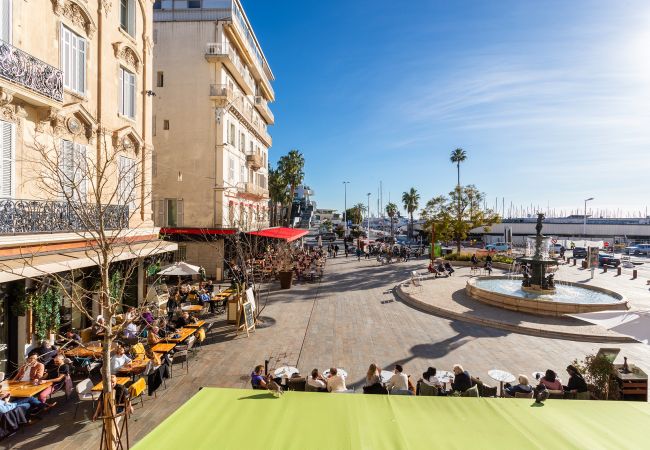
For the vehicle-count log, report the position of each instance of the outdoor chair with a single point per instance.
(426, 390)
(475, 271)
(556, 394)
(85, 393)
(182, 351)
(583, 395)
(296, 384)
(524, 394)
(310, 388)
(137, 389)
(471, 392)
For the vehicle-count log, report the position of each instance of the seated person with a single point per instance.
(441, 269)
(153, 337)
(32, 370)
(449, 268)
(184, 320)
(130, 315)
(488, 267)
(523, 387)
(131, 331)
(70, 339)
(147, 317)
(577, 383)
(119, 359)
(119, 396)
(462, 380)
(209, 287)
(372, 376)
(317, 381)
(45, 352)
(399, 381)
(551, 381)
(474, 261)
(29, 405)
(432, 269)
(258, 381)
(57, 375)
(97, 331)
(429, 378)
(335, 382)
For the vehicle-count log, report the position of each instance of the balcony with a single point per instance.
(225, 53)
(254, 161)
(39, 216)
(244, 110)
(30, 73)
(263, 107)
(221, 92)
(255, 191)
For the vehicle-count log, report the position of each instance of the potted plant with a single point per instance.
(285, 266)
(597, 371)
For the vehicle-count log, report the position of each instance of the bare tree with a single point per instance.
(101, 193)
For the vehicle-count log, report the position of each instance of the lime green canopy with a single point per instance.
(246, 419)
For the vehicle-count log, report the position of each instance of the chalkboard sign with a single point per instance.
(248, 315)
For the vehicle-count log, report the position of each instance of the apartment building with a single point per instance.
(211, 119)
(75, 85)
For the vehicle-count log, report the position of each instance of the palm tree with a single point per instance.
(278, 193)
(391, 210)
(410, 200)
(458, 156)
(291, 168)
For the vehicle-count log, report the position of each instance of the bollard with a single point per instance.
(634, 274)
(604, 269)
(618, 270)
(584, 264)
(575, 261)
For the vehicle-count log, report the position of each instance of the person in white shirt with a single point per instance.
(336, 383)
(399, 381)
(119, 359)
(429, 378)
(317, 381)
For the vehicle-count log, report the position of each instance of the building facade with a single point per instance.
(75, 129)
(211, 139)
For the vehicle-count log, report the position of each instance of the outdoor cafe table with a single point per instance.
(92, 351)
(135, 367)
(198, 324)
(502, 377)
(386, 375)
(25, 389)
(183, 333)
(120, 380)
(285, 372)
(445, 376)
(163, 348)
(192, 308)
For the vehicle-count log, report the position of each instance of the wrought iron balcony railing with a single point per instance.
(22, 68)
(38, 216)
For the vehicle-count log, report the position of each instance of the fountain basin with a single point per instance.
(569, 298)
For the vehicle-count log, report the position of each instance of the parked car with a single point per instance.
(606, 259)
(579, 252)
(556, 248)
(328, 236)
(498, 247)
(639, 249)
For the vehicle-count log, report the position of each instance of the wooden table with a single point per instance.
(120, 380)
(198, 324)
(25, 389)
(134, 367)
(163, 348)
(184, 334)
(93, 351)
(192, 308)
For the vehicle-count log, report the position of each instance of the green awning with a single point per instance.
(247, 419)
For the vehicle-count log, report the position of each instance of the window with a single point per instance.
(7, 155)
(250, 147)
(231, 134)
(5, 20)
(242, 173)
(242, 142)
(73, 171)
(126, 181)
(73, 60)
(127, 16)
(160, 79)
(231, 170)
(165, 124)
(181, 253)
(194, 4)
(127, 93)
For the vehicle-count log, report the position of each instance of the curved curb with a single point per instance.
(445, 313)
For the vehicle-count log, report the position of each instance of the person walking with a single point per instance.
(336, 249)
(358, 254)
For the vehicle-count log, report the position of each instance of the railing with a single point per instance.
(253, 189)
(223, 49)
(262, 103)
(22, 68)
(247, 111)
(254, 160)
(39, 216)
(220, 90)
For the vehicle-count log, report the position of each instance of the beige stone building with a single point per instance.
(211, 119)
(75, 91)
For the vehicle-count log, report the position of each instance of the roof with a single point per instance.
(288, 234)
(395, 421)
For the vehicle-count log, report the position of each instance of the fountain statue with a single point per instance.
(535, 267)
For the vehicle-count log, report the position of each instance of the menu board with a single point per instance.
(248, 316)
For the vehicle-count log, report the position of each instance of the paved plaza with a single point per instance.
(350, 319)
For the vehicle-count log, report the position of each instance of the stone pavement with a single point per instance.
(350, 319)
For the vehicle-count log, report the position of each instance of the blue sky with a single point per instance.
(551, 100)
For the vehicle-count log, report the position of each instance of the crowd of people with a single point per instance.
(455, 383)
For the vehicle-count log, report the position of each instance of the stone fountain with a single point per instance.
(534, 267)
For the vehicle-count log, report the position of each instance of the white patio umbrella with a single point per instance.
(180, 269)
(635, 324)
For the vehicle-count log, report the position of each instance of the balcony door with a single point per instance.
(5, 20)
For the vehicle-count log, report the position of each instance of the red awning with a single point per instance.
(288, 234)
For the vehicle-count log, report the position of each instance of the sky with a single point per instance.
(550, 99)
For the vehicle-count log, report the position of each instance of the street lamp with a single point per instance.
(368, 217)
(584, 223)
(345, 206)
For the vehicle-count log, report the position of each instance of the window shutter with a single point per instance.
(160, 213)
(66, 159)
(131, 17)
(121, 93)
(81, 64)
(179, 213)
(6, 159)
(81, 172)
(5, 20)
(132, 95)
